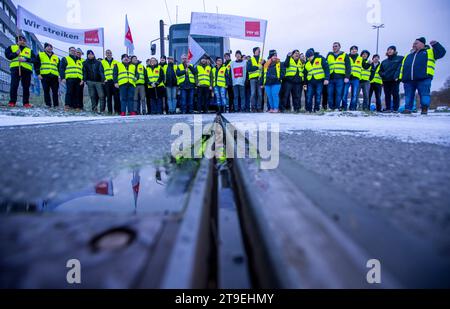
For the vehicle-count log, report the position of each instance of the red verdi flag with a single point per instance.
(129, 43)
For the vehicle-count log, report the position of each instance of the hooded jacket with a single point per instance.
(415, 65)
(390, 68)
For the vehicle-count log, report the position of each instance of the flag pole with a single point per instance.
(20, 66)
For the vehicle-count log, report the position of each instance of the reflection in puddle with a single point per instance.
(159, 190)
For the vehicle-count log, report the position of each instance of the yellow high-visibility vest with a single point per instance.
(315, 70)
(337, 65)
(220, 77)
(257, 73)
(109, 68)
(356, 67)
(49, 65)
(25, 53)
(153, 76)
(182, 78)
(74, 68)
(431, 63)
(204, 75)
(376, 77)
(295, 68)
(141, 71)
(126, 76)
(277, 67)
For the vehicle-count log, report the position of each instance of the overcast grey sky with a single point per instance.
(293, 24)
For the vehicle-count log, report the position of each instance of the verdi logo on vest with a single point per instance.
(238, 72)
(252, 29)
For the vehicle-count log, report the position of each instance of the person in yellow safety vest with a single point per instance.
(46, 68)
(140, 93)
(125, 76)
(340, 71)
(356, 62)
(21, 67)
(221, 76)
(71, 74)
(80, 55)
(293, 81)
(417, 72)
(317, 73)
(273, 74)
(254, 70)
(227, 63)
(110, 90)
(186, 75)
(376, 83)
(204, 84)
(364, 83)
(163, 65)
(155, 75)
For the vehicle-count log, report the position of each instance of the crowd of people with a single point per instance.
(247, 84)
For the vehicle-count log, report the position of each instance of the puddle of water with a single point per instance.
(155, 190)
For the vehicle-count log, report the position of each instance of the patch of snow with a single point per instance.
(433, 129)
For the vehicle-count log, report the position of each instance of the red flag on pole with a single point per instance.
(128, 37)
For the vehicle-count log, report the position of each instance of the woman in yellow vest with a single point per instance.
(272, 76)
(157, 91)
(317, 73)
(376, 83)
(125, 76)
(221, 78)
(46, 68)
(355, 77)
(21, 66)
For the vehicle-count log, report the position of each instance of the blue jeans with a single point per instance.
(335, 88)
(315, 89)
(273, 96)
(172, 99)
(127, 98)
(187, 101)
(221, 96)
(424, 89)
(239, 92)
(354, 83)
(256, 94)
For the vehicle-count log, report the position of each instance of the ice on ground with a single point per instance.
(432, 129)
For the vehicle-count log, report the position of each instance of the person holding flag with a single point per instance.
(21, 66)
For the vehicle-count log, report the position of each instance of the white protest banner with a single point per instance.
(29, 22)
(228, 26)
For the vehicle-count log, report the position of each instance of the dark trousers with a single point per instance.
(230, 91)
(156, 96)
(127, 98)
(315, 88)
(73, 92)
(81, 97)
(325, 97)
(295, 89)
(50, 82)
(376, 88)
(111, 93)
(203, 99)
(25, 79)
(392, 95)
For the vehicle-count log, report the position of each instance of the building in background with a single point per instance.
(178, 42)
(8, 33)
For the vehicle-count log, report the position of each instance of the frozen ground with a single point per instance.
(433, 129)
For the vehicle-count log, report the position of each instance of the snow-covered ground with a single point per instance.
(433, 129)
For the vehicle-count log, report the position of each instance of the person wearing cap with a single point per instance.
(340, 71)
(71, 74)
(205, 83)
(125, 76)
(111, 92)
(186, 76)
(94, 78)
(140, 93)
(317, 73)
(238, 72)
(376, 83)
(21, 67)
(221, 81)
(46, 68)
(170, 80)
(356, 62)
(389, 72)
(163, 65)
(293, 80)
(155, 75)
(417, 72)
(364, 83)
(273, 74)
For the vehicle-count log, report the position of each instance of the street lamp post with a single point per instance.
(378, 27)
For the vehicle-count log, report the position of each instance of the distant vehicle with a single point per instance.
(178, 42)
